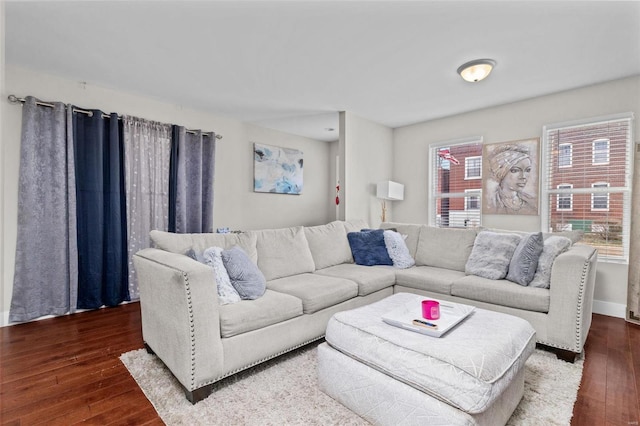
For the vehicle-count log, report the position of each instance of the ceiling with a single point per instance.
(292, 66)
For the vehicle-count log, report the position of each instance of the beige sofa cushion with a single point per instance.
(447, 248)
(428, 278)
(369, 278)
(283, 252)
(412, 231)
(248, 315)
(181, 243)
(355, 225)
(316, 291)
(328, 244)
(502, 292)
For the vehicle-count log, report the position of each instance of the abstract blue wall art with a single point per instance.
(277, 170)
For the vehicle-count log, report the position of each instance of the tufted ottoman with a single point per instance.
(473, 375)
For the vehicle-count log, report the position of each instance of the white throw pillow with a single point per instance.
(398, 250)
(226, 292)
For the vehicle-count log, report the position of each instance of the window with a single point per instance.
(564, 200)
(600, 151)
(565, 155)
(473, 167)
(472, 202)
(600, 200)
(593, 195)
(455, 186)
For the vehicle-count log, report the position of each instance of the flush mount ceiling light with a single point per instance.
(474, 71)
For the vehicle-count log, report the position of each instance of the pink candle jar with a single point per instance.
(431, 309)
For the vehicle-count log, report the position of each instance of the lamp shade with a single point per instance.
(389, 190)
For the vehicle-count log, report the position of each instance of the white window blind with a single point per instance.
(591, 192)
(455, 183)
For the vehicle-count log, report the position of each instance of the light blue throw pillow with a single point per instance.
(245, 276)
(524, 262)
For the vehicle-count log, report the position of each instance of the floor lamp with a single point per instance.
(388, 191)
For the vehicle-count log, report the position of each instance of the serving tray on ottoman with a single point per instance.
(473, 375)
(451, 315)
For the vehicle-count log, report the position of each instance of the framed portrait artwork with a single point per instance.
(277, 170)
(510, 171)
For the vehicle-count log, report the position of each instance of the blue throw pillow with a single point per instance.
(245, 276)
(368, 248)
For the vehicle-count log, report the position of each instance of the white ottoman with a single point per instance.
(473, 375)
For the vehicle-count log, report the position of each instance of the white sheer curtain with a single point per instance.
(147, 157)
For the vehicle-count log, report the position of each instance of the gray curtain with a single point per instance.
(633, 295)
(194, 181)
(147, 146)
(46, 268)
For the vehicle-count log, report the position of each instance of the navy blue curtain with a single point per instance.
(101, 210)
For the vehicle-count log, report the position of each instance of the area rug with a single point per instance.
(285, 391)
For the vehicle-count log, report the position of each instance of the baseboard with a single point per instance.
(610, 309)
(5, 315)
(5, 319)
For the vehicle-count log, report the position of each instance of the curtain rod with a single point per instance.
(15, 100)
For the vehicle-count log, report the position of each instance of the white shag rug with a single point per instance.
(285, 391)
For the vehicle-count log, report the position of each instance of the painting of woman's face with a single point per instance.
(518, 175)
(510, 177)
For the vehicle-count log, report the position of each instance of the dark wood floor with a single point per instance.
(66, 370)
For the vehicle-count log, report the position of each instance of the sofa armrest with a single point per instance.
(572, 284)
(180, 315)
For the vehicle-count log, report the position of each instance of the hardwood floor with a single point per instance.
(610, 390)
(65, 371)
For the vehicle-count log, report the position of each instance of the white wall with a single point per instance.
(515, 121)
(2, 179)
(235, 206)
(366, 150)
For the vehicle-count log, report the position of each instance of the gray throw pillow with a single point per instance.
(524, 262)
(245, 276)
(491, 255)
(553, 247)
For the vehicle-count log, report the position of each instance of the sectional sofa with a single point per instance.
(311, 275)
